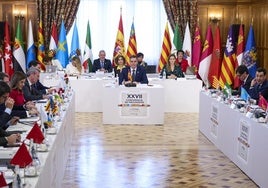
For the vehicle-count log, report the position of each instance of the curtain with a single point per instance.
(180, 12)
(56, 10)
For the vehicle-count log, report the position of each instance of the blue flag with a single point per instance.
(75, 41)
(62, 48)
(244, 94)
(250, 54)
(31, 55)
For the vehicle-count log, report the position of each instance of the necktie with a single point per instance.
(133, 75)
(102, 64)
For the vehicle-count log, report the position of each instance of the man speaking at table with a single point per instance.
(133, 74)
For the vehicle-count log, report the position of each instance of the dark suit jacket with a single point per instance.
(245, 85)
(107, 65)
(4, 117)
(31, 94)
(40, 87)
(3, 134)
(18, 111)
(139, 77)
(257, 90)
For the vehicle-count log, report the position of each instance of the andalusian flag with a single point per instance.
(229, 60)
(31, 55)
(18, 51)
(62, 51)
(88, 57)
(119, 47)
(166, 49)
(41, 46)
(132, 44)
(54, 37)
(177, 41)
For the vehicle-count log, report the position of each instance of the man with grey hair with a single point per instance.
(29, 90)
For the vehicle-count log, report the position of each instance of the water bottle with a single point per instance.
(164, 74)
(17, 180)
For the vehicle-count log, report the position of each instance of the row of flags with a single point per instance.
(58, 43)
(214, 70)
(15, 59)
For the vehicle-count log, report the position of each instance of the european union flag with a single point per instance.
(250, 54)
(244, 94)
(62, 50)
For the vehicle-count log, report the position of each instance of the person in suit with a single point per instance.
(4, 77)
(140, 57)
(244, 76)
(6, 138)
(29, 90)
(120, 62)
(38, 85)
(259, 85)
(172, 70)
(134, 73)
(102, 64)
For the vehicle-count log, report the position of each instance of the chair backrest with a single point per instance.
(151, 69)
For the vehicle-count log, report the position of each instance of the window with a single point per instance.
(149, 21)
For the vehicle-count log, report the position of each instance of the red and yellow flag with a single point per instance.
(132, 44)
(119, 47)
(229, 60)
(41, 46)
(166, 49)
(215, 64)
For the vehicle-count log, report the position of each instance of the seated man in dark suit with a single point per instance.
(134, 73)
(102, 64)
(259, 85)
(29, 90)
(6, 138)
(38, 85)
(245, 78)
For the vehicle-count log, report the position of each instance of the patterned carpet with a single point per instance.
(136, 156)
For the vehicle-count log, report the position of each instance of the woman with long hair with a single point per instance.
(75, 67)
(172, 70)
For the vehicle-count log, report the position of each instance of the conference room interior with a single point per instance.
(174, 153)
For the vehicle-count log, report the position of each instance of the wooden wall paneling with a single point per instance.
(8, 16)
(203, 21)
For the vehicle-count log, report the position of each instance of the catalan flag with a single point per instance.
(166, 49)
(132, 44)
(229, 60)
(250, 54)
(119, 47)
(41, 46)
